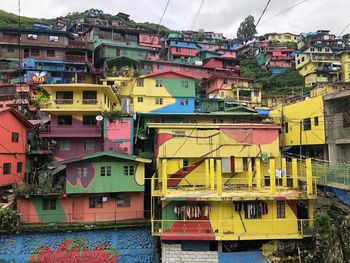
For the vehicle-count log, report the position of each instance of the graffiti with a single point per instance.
(36, 77)
(84, 178)
(75, 250)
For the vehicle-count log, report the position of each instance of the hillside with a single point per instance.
(11, 20)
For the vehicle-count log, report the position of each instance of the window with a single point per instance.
(139, 83)
(185, 165)
(64, 97)
(159, 66)
(281, 209)
(316, 121)
(184, 83)
(6, 168)
(256, 93)
(128, 170)
(199, 70)
(319, 49)
(64, 120)
(187, 69)
(179, 134)
(178, 49)
(327, 49)
(64, 145)
(89, 120)
(139, 99)
(189, 51)
(53, 38)
(50, 53)
(35, 52)
(302, 59)
(286, 127)
(10, 50)
(173, 68)
(106, 170)
(225, 81)
(159, 83)
(19, 167)
(307, 124)
(95, 202)
(145, 39)
(32, 36)
(159, 101)
(298, 62)
(245, 164)
(88, 145)
(89, 97)
(123, 201)
(184, 102)
(82, 172)
(15, 136)
(312, 49)
(49, 204)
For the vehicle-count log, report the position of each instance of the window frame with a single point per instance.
(306, 124)
(19, 167)
(15, 137)
(281, 209)
(123, 201)
(32, 36)
(6, 168)
(53, 38)
(95, 202)
(49, 204)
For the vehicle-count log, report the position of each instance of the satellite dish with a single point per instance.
(99, 117)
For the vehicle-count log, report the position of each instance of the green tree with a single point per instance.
(247, 30)
(346, 41)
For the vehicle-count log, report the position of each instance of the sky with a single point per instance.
(221, 16)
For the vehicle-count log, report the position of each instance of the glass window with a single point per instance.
(128, 170)
(6, 168)
(88, 145)
(225, 81)
(50, 53)
(95, 202)
(159, 101)
(286, 127)
(123, 201)
(64, 120)
(281, 209)
(19, 167)
(49, 204)
(53, 38)
(307, 124)
(32, 36)
(140, 83)
(159, 66)
(139, 99)
(15, 136)
(10, 50)
(186, 69)
(159, 83)
(35, 52)
(184, 102)
(106, 170)
(64, 97)
(184, 83)
(89, 120)
(90, 97)
(316, 121)
(64, 145)
(185, 165)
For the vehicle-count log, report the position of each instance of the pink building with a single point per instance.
(279, 57)
(149, 40)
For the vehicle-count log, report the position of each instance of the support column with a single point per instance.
(207, 180)
(250, 173)
(310, 212)
(218, 177)
(284, 167)
(295, 173)
(309, 176)
(272, 176)
(258, 173)
(164, 177)
(211, 173)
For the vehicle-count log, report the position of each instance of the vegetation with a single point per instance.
(8, 219)
(11, 20)
(247, 30)
(290, 45)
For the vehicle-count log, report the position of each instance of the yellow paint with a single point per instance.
(295, 173)
(284, 167)
(258, 173)
(311, 108)
(281, 37)
(106, 99)
(164, 177)
(345, 65)
(309, 176)
(218, 177)
(311, 212)
(212, 179)
(140, 174)
(272, 176)
(207, 179)
(250, 173)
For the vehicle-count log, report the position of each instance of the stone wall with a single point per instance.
(115, 245)
(172, 253)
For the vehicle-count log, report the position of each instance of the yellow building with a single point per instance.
(282, 37)
(303, 124)
(317, 64)
(223, 189)
(345, 65)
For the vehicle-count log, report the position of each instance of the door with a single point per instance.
(77, 209)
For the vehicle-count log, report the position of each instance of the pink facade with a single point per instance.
(149, 40)
(76, 209)
(118, 136)
(279, 57)
(217, 83)
(68, 148)
(198, 72)
(227, 53)
(211, 46)
(182, 51)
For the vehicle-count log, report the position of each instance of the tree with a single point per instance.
(247, 30)
(346, 41)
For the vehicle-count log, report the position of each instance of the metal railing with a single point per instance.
(64, 101)
(245, 227)
(90, 101)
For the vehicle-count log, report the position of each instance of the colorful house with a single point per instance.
(345, 65)
(181, 48)
(98, 187)
(233, 186)
(278, 59)
(281, 37)
(13, 146)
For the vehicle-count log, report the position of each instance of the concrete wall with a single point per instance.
(172, 253)
(121, 245)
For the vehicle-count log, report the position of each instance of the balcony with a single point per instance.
(80, 44)
(76, 130)
(90, 101)
(233, 229)
(73, 105)
(296, 183)
(75, 58)
(64, 101)
(281, 58)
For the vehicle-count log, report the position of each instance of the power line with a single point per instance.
(197, 15)
(283, 11)
(161, 19)
(263, 12)
(344, 30)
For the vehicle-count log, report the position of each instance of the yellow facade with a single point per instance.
(105, 99)
(305, 117)
(345, 65)
(231, 163)
(282, 37)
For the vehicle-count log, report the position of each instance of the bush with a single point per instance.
(8, 219)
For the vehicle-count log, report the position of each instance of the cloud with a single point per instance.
(219, 16)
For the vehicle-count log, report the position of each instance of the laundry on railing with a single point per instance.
(198, 211)
(252, 209)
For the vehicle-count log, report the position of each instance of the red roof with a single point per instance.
(169, 71)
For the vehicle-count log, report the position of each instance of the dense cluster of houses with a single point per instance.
(102, 123)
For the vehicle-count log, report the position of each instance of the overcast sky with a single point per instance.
(216, 15)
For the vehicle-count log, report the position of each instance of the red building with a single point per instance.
(13, 130)
(279, 57)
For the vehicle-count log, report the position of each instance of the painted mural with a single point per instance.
(99, 246)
